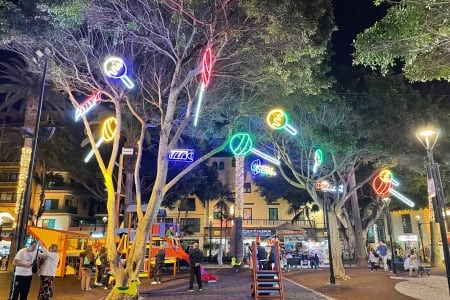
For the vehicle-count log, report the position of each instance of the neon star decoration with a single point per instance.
(241, 144)
(87, 105)
(277, 119)
(108, 133)
(257, 168)
(115, 67)
(383, 185)
(319, 159)
(207, 64)
(181, 155)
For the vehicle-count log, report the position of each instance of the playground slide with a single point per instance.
(178, 252)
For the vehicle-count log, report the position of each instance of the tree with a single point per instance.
(413, 32)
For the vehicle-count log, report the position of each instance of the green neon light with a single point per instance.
(241, 143)
(319, 157)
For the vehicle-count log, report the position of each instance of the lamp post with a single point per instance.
(105, 219)
(387, 202)
(419, 226)
(210, 238)
(428, 139)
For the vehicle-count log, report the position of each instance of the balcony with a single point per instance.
(275, 223)
(66, 210)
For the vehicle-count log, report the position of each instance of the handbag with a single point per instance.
(98, 261)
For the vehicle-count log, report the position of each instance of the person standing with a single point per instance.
(261, 255)
(373, 260)
(48, 271)
(220, 256)
(195, 260)
(101, 262)
(23, 262)
(159, 263)
(87, 260)
(382, 250)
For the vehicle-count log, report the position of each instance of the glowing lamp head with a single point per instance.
(109, 129)
(207, 66)
(114, 67)
(241, 143)
(277, 119)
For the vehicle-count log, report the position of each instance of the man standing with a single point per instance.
(23, 274)
(219, 256)
(195, 259)
(382, 250)
(159, 263)
(261, 255)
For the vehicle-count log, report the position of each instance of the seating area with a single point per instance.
(399, 267)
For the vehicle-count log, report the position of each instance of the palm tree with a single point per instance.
(302, 211)
(226, 196)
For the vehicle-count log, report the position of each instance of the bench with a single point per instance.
(291, 262)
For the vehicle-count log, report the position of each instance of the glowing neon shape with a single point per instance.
(401, 197)
(87, 105)
(327, 186)
(25, 158)
(108, 133)
(241, 144)
(383, 185)
(207, 64)
(116, 68)
(319, 159)
(182, 155)
(257, 168)
(277, 119)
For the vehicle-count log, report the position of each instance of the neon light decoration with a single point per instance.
(87, 105)
(383, 184)
(116, 68)
(327, 186)
(108, 133)
(257, 168)
(278, 119)
(241, 144)
(25, 158)
(207, 64)
(319, 159)
(182, 155)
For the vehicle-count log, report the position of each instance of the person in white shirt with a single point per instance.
(47, 271)
(23, 263)
(219, 256)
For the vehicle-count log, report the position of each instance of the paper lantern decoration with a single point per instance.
(241, 144)
(278, 119)
(207, 64)
(115, 67)
(108, 133)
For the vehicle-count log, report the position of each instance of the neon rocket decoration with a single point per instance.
(241, 144)
(116, 68)
(327, 186)
(207, 63)
(87, 105)
(257, 168)
(319, 159)
(278, 119)
(108, 133)
(383, 185)
(181, 155)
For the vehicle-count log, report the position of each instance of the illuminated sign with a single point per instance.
(278, 119)
(182, 155)
(116, 68)
(257, 168)
(327, 186)
(241, 144)
(87, 105)
(207, 64)
(407, 238)
(383, 184)
(108, 133)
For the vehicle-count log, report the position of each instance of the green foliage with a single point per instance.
(66, 14)
(415, 32)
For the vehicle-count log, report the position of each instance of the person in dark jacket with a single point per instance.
(261, 255)
(159, 263)
(103, 260)
(195, 260)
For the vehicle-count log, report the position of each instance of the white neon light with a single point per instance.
(258, 168)
(199, 104)
(91, 153)
(401, 197)
(87, 105)
(395, 182)
(115, 67)
(265, 156)
(290, 129)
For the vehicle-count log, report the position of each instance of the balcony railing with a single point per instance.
(67, 210)
(275, 223)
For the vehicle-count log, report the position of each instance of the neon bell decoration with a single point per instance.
(116, 68)
(241, 144)
(278, 119)
(108, 133)
(383, 185)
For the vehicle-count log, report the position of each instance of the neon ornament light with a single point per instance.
(108, 133)
(241, 144)
(319, 159)
(327, 186)
(115, 67)
(383, 185)
(181, 155)
(207, 64)
(278, 119)
(87, 105)
(257, 168)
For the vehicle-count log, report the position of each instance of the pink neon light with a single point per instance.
(207, 66)
(88, 104)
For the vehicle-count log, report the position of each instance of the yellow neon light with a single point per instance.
(109, 129)
(25, 158)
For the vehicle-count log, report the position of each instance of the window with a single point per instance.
(273, 213)
(406, 224)
(68, 203)
(8, 197)
(214, 165)
(187, 204)
(216, 214)
(247, 187)
(84, 204)
(48, 223)
(247, 213)
(233, 162)
(168, 220)
(11, 177)
(190, 224)
(51, 204)
(221, 165)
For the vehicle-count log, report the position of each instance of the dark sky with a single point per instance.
(351, 18)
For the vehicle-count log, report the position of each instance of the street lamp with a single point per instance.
(421, 236)
(428, 139)
(210, 238)
(387, 201)
(105, 219)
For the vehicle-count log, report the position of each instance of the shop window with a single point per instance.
(273, 213)
(247, 187)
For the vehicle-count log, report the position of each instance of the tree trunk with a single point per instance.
(359, 247)
(339, 270)
(239, 211)
(129, 176)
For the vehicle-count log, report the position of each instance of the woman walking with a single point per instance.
(48, 271)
